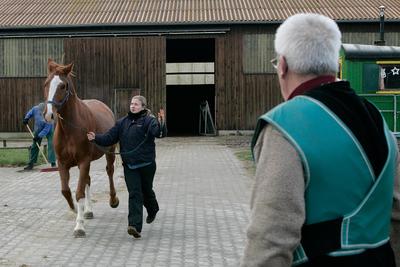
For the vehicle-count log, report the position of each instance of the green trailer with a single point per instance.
(374, 72)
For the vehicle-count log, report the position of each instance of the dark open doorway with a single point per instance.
(184, 107)
(190, 81)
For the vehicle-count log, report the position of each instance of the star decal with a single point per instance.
(395, 71)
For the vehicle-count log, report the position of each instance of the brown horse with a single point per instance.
(75, 118)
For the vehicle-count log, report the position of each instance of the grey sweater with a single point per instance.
(277, 202)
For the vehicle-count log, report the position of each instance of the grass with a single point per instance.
(244, 155)
(15, 157)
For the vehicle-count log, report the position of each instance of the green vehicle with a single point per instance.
(374, 72)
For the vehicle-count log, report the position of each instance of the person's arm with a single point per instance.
(157, 128)
(28, 115)
(46, 129)
(277, 203)
(108, 138)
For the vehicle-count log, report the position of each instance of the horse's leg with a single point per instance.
(88, 211)
(65, 190)
(84, 167)
(114, 201)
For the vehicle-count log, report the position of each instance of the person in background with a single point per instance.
(41, 129)
(326, 162)
(136, 133)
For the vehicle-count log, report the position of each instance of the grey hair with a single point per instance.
(142, 100)
(41, 106)
(310, 44)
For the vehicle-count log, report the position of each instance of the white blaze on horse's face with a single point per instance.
(54, 83)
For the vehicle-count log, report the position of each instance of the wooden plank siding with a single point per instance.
(369, 33)
(27, 57)
(17, 96)
(105, 64)
(240, 97)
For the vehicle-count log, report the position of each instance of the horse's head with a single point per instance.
(58, 86)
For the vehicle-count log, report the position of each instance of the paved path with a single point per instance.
(203, 193)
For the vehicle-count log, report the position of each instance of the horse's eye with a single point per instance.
(62, 86)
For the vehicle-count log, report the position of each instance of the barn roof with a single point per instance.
(48, 13)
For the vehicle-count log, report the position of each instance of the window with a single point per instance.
(27, 57)
(389, 75)
(258, 50)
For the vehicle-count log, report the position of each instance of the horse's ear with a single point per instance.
(51, 66)
(68, 68)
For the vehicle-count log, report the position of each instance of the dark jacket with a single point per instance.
(136, 138)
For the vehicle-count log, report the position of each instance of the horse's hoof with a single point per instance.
(79, 233)
(88, 215)
(114, 203)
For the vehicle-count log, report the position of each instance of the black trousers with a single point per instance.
(140, 187)
(382, 256)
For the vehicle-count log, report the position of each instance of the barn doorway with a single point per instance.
(184, 108)
(189, 83)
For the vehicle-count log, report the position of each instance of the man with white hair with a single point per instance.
(326, 162)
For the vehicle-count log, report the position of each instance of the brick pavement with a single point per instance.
(203, 193)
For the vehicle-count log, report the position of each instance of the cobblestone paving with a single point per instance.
(203, 193)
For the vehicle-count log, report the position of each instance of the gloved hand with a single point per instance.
(36, 139)
(25, 121)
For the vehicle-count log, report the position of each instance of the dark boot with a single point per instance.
(29, 167)
(132, 231)
(150, 218)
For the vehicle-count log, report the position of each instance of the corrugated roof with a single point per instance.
(19, 13)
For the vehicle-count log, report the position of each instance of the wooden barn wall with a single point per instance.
(105, 64)
(17, 96)
(369, 33)
(240, 97)
(27, 57)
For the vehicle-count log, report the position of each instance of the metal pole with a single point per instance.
(382, 25)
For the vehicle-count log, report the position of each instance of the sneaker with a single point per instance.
(53, 164)
(29, 167)
(150, 218)
(132, 231)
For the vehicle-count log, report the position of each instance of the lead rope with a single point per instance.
(103, 148)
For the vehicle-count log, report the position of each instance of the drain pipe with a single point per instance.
(381, 40)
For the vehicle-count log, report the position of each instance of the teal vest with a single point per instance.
(339, 178)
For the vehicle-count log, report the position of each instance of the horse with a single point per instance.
(76, 117)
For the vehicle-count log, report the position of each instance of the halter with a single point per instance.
(58, 105)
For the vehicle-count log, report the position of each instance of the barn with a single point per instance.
(179, 54)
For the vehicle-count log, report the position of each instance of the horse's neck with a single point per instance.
(72, 108)
(72, 116)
